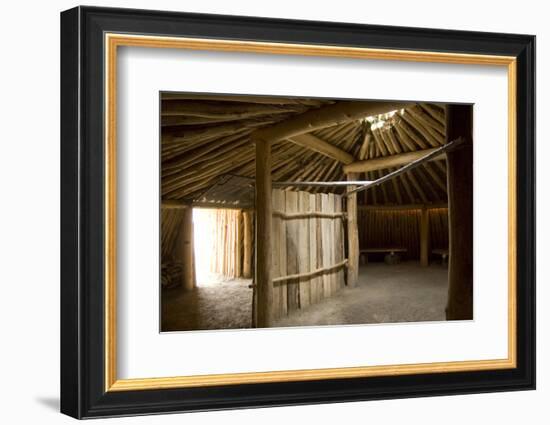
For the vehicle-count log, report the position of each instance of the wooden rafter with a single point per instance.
(435, 112)
(363, 152)
(205, 137)
(427, 119)
(403, 136)
(319, 145)
(382, 186)
(429, 133)
(394, 140)
(428, 182)
(396, 189)
(417, 187)
(413, 136)
(388, 161)
(382, 148)
(407, 186)
(426, 133)
(441, 183)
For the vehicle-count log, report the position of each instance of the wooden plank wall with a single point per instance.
(302, 245)
(385, 228)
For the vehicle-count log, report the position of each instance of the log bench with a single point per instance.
(444, 253)
(392, 254)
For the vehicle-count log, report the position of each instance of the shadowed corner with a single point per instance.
(49, 402)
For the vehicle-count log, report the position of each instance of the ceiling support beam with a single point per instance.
(321, 184)
(318, 145)
(411, 165)
(175, 204)
(389, 161)
(396, 207)
(326, 116)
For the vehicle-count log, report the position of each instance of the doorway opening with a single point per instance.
(218, 240)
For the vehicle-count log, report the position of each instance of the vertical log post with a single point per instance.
(424, 237)
(263, 280)
(247, 244)
(186, 249)
(239, 244)
(460, 194)
(353, 235)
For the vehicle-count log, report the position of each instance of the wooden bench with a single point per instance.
(444, 253)
(363, 253)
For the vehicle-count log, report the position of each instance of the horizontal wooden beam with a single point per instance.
(311, 214)
(411, 165)
(402, 207)
(174, 204)
(221, 206)
(389, 161)
(326, 116)
(318, 145)
(308, 275)
(321, 184)
(311, 183)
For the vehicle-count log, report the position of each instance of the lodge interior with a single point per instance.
(283, 211)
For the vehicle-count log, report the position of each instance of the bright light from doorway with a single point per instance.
(204, 222)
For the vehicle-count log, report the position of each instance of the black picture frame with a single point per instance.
(82, 218)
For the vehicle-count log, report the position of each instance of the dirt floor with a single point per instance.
(213, 305)
(403, 292)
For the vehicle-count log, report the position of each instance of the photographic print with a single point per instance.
(359, 210)
(310, 196)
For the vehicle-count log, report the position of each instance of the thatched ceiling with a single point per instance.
(206, 141)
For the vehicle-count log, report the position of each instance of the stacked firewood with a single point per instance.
(171, 274)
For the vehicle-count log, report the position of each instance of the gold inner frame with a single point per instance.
(113, 41)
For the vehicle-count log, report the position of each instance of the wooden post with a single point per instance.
(353, 235)
(292, 251)
(186, 249)
(247, 244)
(424, 237)
(460, 194)
(264, 284)
(239, 242)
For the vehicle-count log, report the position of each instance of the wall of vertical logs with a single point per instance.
(233, 245)
(177, 248)
(424, 237)
(226, 257)
(308, 246)
(383, 228)
(248, 243)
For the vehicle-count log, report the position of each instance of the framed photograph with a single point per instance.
(261, 212)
